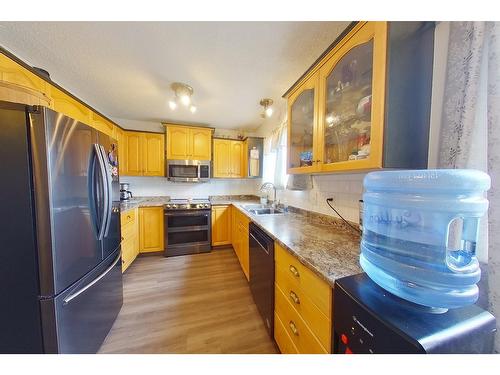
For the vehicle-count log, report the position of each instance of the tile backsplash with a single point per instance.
(157, 186)
(345, 189)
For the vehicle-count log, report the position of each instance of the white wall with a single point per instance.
(157, 186)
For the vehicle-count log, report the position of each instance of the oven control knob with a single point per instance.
(168, 206)
(207, 205)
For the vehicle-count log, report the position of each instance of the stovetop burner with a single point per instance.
(188, 204)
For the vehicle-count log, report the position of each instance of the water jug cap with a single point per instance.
(458, 180)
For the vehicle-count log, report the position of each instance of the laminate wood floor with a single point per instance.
(188, 304)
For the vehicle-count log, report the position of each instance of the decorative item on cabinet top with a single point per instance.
(365, 104)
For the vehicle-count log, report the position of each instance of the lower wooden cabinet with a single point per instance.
(240, 238)
(130, 237)
(151, 231)
(221, 225)
(303, 304)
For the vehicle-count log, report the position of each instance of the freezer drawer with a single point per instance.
(85, 312)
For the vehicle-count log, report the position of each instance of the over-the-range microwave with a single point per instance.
(188, 170)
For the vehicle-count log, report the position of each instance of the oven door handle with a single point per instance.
(205, 213)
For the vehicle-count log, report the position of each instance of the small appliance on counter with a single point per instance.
(125, 193)
(370, 320)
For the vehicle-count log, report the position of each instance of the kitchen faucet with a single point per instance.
(267, 185)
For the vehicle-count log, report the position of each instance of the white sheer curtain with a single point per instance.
(275, 157)
(470, 130)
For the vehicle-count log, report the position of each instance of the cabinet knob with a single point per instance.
(293, 328)
(294, 297)
(294, 271)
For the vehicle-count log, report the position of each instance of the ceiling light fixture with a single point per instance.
(268, 110)
(182, 95)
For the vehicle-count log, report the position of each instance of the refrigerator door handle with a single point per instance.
(93, 191)
(72, 296)
(102, 166)
(108, 203)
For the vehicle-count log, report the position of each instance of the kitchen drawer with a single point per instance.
(319, 323)
(316, 289)
(282, 337)
(302, 337)
(128, 216)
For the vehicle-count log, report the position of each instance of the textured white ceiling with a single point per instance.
(124, 69)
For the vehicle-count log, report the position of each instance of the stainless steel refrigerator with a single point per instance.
(60, 258)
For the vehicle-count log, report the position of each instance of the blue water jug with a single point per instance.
(420, 230)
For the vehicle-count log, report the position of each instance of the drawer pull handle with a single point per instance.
(293, 328)
(128, 217)
(294, 297)
(294, 271)
(122, 238)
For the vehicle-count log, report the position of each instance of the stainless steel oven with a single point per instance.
(187, 227)
(188, 170)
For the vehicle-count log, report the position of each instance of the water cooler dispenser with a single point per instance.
(418, 251)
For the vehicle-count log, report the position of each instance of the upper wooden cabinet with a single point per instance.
(352, 95)
(229, 158)
(366, 104)
(120, 137)
(103, 125)
(63, 103)
(143, 154)
(188, 143)
(302, 127)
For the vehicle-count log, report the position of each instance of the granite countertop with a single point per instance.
(322, 243)
(143, 202)
(326, 246)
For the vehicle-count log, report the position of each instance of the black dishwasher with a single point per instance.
(262, 274)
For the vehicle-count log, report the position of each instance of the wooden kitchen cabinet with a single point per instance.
(120, 137)
(19, 85)
(144, 154)
(229, 158)
(240, 240)
(303, 304)
(103, 125)
(188, 143)
(63, 103)
(351, 112)
(302, 128)
(130, 237)
(351, 105)
(221, 225)
(151, 230)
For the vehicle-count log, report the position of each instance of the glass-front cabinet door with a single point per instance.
(351, 104)
(302, 128)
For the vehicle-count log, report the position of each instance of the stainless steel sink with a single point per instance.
(260, 209)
